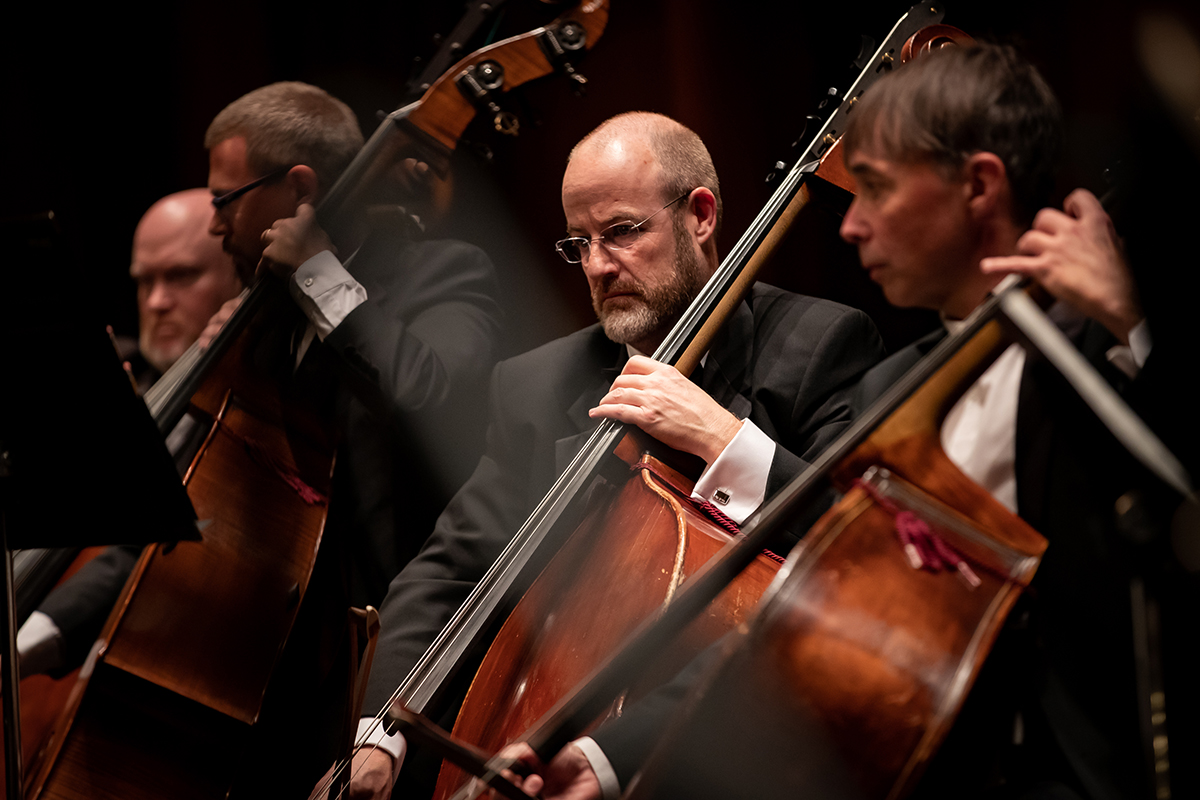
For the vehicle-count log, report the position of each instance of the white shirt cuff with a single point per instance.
(610, 787)
(39, 645)
(1140, 343)
(1132, 357)
(373, 733)
(325, 292)
(736, 482)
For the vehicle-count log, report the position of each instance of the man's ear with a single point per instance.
(303, 181)
(986, 185)
(704, 206)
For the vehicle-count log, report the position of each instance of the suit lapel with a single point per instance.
(596, 386)
(726, 370)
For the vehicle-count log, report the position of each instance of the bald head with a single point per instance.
(680, 160)
(182, 274)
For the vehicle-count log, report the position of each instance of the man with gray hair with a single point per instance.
(409, 336)
(393, 336)
(642, 206)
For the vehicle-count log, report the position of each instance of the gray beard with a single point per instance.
(628, 325)
(657, 308)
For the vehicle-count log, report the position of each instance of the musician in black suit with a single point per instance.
(1055, 711)
(642, 205)
(952, 156)
(394, 336)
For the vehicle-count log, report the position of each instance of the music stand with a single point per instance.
(81, 461)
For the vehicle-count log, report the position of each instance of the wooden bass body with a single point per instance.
(855, 668)
(171, 703)
(621, 566)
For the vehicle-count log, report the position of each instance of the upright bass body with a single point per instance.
(624, 562)
(43, 697)
(177, 684)
(857, 665)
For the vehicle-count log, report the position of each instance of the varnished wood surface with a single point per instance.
(135, 741)
(909, 443)
(616, 570)
(211, 617)
(852, 677)
(444, 114)
(191, 647)
(43, 697)
(861, 661)
(877, 647)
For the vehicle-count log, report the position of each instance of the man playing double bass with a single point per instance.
(643, 207)
(402, 335)
(953, 157)
(407, 340)
(393, 335)
(969, 139)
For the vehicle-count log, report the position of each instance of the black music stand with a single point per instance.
(81, 460)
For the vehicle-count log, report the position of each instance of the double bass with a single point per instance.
(866, 648)
(851, 671)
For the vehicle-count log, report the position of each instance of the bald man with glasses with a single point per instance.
(775, 379)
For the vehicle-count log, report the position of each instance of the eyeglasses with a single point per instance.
(615, 237)
(221, 201)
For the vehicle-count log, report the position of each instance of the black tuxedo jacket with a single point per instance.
(410, 368)
(784, 361)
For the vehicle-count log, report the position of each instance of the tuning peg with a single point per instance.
(830, 101)
(503, 121)
(558, 42)
(777, 170)
(580, 87)
(480, 83)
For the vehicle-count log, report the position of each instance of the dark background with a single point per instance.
(105, 112)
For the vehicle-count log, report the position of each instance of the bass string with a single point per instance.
(166, 384)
